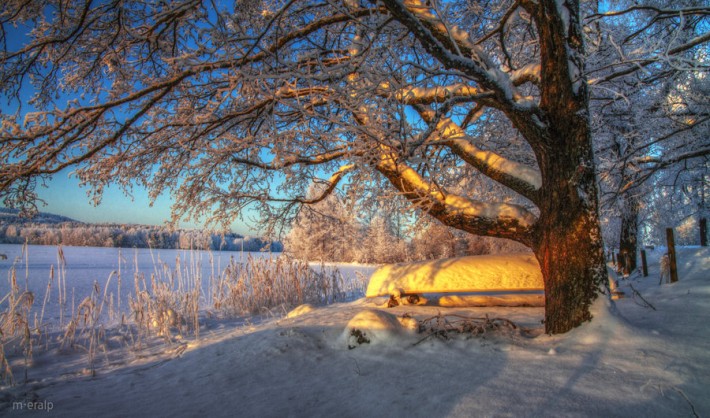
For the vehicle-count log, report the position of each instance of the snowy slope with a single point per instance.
(630, 361)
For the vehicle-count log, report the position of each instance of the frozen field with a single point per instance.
(76, 270)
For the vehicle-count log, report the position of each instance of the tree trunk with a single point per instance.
(629, 231)
(571, 255)
(572, 264)
(568, 242)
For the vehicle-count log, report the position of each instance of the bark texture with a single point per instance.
(628, 237)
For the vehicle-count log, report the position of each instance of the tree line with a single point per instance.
(330, 231)
(49, 229)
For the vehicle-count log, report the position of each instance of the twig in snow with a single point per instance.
(692, 407)
(441, 326)
(356, 369)
(646, 304)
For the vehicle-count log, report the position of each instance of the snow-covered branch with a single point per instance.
(452, 46)
(519, 177)
(291, 160)
(488, 219)
(439, 94)
(633, 67)
(659, 12)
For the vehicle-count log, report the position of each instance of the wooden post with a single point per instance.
(703, 232)
(671, 254)
(613, 257)
(644, 265)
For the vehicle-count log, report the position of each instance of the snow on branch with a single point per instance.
(328, 186)
(529, 73)
(659, 12)
(503, 220)
(634, 66)
(439, 94)
(518, 177)
(293, 160)
(654, 164)
(452, 46)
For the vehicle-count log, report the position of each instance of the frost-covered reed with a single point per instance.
(170, 303)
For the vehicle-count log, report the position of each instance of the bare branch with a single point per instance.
(641, 64)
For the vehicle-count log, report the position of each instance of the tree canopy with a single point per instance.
(245, 104)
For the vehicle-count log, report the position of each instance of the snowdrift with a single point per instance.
(487, 273)
(373, 327)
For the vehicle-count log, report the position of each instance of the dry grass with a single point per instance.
(166, 305)
(261, 284)
(15, 330)
(86, 328)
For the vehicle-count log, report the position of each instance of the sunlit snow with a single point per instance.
(517, 272)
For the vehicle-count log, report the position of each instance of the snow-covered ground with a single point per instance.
(631, 360)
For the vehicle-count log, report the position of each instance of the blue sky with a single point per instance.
(64, 196)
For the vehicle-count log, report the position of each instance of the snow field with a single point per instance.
(630, 360)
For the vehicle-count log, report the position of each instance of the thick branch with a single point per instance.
(436, 38)
(487, 219)
(439, 94)
(303, 160)
(518, 177)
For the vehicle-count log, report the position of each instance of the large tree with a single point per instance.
(230, 106)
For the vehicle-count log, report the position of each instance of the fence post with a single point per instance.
(671, 254)
(644, 265)
(703, 232)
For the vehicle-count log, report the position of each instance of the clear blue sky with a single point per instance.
(65, 197)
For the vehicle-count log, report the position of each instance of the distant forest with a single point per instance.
(50, 229)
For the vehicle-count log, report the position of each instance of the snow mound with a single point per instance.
(301, 310)
(607, 325)
(375, 327)
(694, 263)
(486, 273)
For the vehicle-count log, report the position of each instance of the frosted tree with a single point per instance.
(649, 121)
(236, 106)
(380, 243)
(325, 231)
(432, 241)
